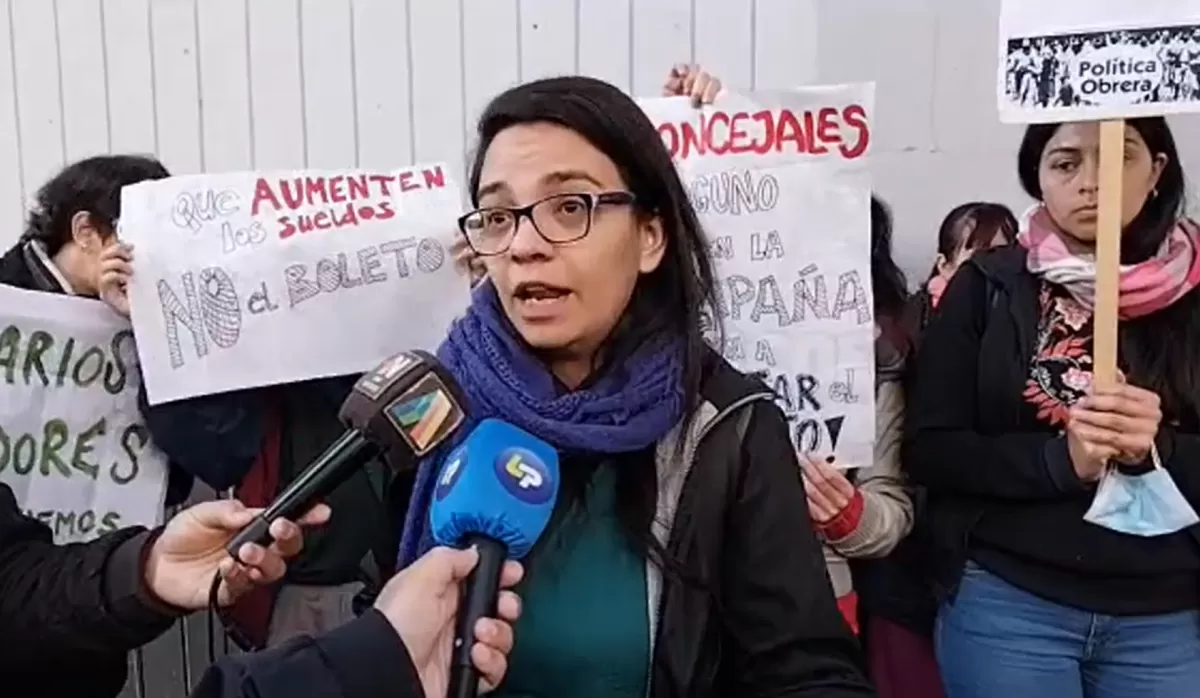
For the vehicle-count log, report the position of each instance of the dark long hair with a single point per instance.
(669, 302)
(888, 283)
(1161, 351)
(92, 185)
(973, 226)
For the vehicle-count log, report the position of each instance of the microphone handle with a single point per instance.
(478, 601)
(341, 460)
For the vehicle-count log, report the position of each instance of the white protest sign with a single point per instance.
(72, 443)
(1089, 60)
(251, 279)
(782, 184)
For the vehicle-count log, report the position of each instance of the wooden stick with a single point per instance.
(1108, 251)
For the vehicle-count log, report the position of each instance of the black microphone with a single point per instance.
(407, 406)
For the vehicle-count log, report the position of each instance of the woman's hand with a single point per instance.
(690, 81)
(1089, 454)
(466, 261)
(1117, 422)
(116, 266)
(828, 490)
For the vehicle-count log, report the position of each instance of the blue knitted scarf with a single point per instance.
(630, 407)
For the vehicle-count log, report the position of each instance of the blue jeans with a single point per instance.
(997, 641)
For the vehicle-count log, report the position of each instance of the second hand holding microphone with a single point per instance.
(406, 406)
(496, 491)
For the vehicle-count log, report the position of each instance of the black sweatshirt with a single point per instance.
(984, 435)
(70, 613)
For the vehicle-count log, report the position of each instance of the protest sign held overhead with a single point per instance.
(252, 279)
(782, 184)
(1087, 60)
(73, 446)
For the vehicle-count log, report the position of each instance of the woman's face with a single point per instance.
(1069, 177)
(564, 298)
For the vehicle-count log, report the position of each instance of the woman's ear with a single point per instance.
(85, 234)
(1157, 165)
(941, 264)
(653, 243)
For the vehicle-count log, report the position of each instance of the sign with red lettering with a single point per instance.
(73, 445)
(250, 279)
(782, 183)
(1090, 60)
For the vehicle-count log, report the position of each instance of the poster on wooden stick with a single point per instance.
(1100, 61)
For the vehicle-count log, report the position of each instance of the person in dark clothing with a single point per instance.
(400, 648)
(863, 513)
(256, 441)
(868, 525)
(1010, 439)
(967, 229)
(680, 560)
(66, 246)
(69, 614)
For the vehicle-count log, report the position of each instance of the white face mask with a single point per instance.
(1141, 505)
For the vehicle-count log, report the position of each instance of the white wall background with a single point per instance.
(238, 84)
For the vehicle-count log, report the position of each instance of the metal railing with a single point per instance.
(172, 664)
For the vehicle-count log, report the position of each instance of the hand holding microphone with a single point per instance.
(408, 405)
(496, 493)
(421, 603)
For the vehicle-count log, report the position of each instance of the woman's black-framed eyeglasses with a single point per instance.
(559, 219)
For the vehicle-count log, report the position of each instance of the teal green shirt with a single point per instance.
(584, 629)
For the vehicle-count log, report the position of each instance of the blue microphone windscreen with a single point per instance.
(501, 482)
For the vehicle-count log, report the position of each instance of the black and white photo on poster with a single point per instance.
(1090, 60)
(1132, 66)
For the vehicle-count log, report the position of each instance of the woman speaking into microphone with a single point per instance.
(679, 559)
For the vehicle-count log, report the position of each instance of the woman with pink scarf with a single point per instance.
(1048, 589)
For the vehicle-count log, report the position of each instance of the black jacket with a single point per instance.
(362, 659)
(768, 623)
(989, 465)
(69, 614)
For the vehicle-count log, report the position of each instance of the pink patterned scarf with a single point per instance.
(935, 287)
(1145, 288)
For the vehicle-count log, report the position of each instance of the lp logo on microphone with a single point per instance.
(524, 475)
(449, 474)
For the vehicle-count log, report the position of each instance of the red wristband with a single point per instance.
(846, 521)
